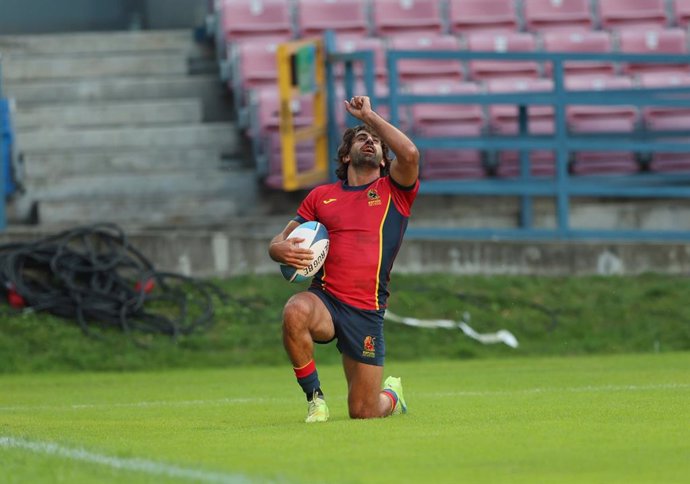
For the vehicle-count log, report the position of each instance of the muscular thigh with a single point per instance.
(316, 317)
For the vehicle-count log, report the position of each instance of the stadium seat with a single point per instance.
(395, 17)
(248, 19)
(381, 91)
(469, 16)
(598, 118)
(667, 119)
(511, 42)
(549, 15)
(448, 120)
(353, 44)
(417, 69)
(541, 163)
(344, 17)
(594, 41)
(254, 63)
(681, 13)
(503, 118)
(602, 119)
(669, 41)
(632, 14)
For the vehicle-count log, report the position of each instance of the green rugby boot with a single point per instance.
(317, 411)
(394, 384)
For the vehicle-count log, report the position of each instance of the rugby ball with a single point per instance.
(315, 238)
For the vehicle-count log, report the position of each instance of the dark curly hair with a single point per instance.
(346, 145)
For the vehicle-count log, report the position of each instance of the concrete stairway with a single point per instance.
(129, 127)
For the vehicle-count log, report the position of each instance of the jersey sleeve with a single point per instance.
(307, 209)
(404, 197)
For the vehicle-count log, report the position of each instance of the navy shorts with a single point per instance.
(359, 331)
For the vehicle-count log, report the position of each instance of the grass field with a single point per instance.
(590, 419)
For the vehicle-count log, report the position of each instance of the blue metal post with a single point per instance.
(3, 128)
(526, 209)
(562, 200)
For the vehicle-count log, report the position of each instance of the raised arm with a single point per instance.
(405, 167)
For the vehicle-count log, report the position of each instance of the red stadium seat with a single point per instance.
(669, 41)
(352, 44)
(681, 12)
(598, 118)
(549, 15)
(254, 63)
(503, 119)
(395, 17)
(512, 42)
(242, 19)
(594, 41)
(541, 163)
(602, 119)
(345, 17)
(448, 120)
(632, 14)
(468, 16)
(416, 69)
(667, 119)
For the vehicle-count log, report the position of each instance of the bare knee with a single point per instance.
(296, 315)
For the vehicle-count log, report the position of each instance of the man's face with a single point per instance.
(366, 151)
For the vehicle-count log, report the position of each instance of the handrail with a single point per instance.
(562, 186)
(3, 218)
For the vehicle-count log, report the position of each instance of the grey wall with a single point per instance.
(48, 16)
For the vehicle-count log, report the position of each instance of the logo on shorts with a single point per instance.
(374, 198)
(369, 347)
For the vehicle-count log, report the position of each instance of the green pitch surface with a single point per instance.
(580, 419)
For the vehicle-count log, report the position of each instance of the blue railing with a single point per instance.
(5, 153)
(562, 186)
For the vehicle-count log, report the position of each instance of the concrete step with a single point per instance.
(221, 136)
(179, 41)
(96, 187)
(108, 114)
(35, 68)
(208, 88)
(141, 161)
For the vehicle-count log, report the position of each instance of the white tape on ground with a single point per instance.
(501, 336)
(121, 463)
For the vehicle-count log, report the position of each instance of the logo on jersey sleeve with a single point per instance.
(373, 197)
(329, 200)
(369, 347)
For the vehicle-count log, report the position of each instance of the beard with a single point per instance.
(366, 160)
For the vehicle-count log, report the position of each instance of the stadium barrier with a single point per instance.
(5, 149)
(563, 186)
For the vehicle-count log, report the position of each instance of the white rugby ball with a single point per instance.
(315, 238)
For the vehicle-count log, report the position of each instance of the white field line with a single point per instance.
(244, 401)
(121, 463)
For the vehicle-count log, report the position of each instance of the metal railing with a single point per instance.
(563, 186)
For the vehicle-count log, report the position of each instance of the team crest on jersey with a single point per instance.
(373, 197)
(369, 347)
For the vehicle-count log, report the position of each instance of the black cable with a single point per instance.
(95, 277)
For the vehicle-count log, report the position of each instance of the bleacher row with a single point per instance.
(250, 31)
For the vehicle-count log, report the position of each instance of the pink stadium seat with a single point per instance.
(665, 118)
(669, 41)
(242, 19)
(254, 63)
(512, 42)
(681, 12)
(353, 44)
(394, 17)
(416, 69)
(598, 118)
(548, 15)
(542, 163)
(345, 17)
(468, 16)
(632, 14)
(602, 119)
(381, 90)
(265, 103)
(503, 118)
(594, 41)
(448, 120)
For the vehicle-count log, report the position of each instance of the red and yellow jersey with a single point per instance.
(365, 226)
